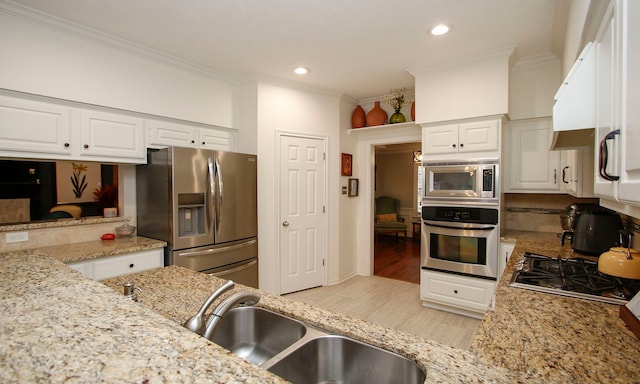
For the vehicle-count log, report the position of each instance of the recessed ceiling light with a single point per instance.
(301, 71)
(439, 30)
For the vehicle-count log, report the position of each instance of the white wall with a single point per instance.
(533, 84)
(305, 112)
(52, 61)
(469, 89)
(395, 177)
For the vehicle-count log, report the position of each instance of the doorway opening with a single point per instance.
(396, 247)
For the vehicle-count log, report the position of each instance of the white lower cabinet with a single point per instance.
(114, 266)
(464, 295)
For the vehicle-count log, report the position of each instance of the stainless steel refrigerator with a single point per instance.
(203, 203)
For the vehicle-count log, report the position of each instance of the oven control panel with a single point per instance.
(461, 214)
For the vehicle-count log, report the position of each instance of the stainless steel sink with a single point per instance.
(257, 334)
(339, 359)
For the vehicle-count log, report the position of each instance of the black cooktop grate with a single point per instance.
(575, 277)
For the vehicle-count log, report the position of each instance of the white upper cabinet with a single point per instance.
(470, 137)
(109, 136)
(47, 130)
(576, 175)
(33, 127)
(168, 133)
(528, 163)
(617, 170)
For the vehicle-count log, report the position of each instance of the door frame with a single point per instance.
(277, 218)
(365, 258)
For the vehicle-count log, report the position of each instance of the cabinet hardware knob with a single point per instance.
(453, 145)
(131, 265)
(203, 143)
(455, 291)
(461, 145)
(193, 141)
(66, 145)
(86, 146)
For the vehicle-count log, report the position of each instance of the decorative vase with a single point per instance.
(397, 118)
(376, 116)
(413, 111)
(358, 118)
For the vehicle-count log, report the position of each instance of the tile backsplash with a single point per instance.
(537, 212)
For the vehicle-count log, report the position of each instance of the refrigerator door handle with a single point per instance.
(219, 197)
(210, 194)
(211, 251)
(234, 270)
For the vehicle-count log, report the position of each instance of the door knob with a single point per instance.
(285, 223)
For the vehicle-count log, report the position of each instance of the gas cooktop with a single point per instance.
(575, 277)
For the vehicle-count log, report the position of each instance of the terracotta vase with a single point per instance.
(376, 116)
(413, 111)
(358, 118)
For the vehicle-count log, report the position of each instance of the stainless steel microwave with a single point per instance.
(459, 182)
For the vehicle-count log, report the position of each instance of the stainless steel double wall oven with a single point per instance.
(460, 218)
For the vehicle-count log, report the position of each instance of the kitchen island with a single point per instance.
(551, 338)
(59, 326)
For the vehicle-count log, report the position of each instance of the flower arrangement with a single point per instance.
(396, 99)
(78, 180)
(106, 196)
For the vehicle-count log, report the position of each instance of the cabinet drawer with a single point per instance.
(126, 264)
(457, 291)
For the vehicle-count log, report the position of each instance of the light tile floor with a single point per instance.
(393, 304)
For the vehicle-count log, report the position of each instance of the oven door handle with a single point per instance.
(467, 226)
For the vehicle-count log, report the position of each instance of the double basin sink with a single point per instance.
(300, 353)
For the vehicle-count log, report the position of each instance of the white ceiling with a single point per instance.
(362, 48)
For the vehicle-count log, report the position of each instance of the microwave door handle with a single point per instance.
(220, 197)
(487, 228)
(210, 194)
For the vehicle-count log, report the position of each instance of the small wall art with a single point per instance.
(76, 181)
(346, 164)
(353, 187)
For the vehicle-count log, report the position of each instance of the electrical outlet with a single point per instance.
(16, 237)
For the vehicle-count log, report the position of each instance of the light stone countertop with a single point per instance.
(551, 338)
(59, 326)
(89, 250)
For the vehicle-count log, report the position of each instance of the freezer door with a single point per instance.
(206, 258)
(245, 273)
(235, 196)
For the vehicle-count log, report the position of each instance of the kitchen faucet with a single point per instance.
(196, 323)
(239, 298)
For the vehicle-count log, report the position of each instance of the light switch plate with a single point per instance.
(16, 237)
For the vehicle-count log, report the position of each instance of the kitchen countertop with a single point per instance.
(57, 325)
(89, 250)
(551, 338)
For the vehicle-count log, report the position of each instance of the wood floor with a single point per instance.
(397, 258)
(390, 302)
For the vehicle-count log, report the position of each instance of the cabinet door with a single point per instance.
(606, 104)
(164, 133)
(531, 166)
(629, 188)
(215, 139)
(464, 293)
(112, 137)
(109, 267)
(478, 136)
(441, 139)
(568, 173)
(34, 127)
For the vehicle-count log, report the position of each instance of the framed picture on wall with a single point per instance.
(353, 187)
(346, 164)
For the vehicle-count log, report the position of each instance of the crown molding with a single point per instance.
(58, 24)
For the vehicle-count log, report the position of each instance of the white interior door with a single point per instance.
(302, 217)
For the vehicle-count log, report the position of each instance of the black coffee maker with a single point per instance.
(594, 229)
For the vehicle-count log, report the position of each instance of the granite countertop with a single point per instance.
(551, 338)
(58, 325)
(89, 250)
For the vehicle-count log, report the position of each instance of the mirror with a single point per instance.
(33, 191)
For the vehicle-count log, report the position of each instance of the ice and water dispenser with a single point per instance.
(191, 214)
